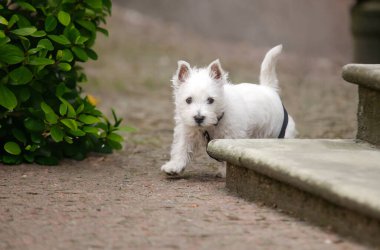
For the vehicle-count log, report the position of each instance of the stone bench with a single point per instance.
(334, 183)
(368, 79)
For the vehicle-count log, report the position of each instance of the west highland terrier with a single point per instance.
(208, 106)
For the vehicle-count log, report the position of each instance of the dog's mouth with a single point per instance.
(202, 125)
(197, 125)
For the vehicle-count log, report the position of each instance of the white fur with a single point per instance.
(250, 110)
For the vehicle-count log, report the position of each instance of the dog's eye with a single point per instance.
(210, 100)
(189, 100)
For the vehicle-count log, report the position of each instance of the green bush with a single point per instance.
(44, 117)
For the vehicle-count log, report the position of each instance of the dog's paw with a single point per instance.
(172, 168)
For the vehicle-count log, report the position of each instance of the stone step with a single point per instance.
(334, 183)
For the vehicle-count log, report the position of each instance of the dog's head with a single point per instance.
(199, 94)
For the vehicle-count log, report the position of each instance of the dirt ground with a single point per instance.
(122, 201)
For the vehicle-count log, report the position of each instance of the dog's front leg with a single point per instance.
(181, 152)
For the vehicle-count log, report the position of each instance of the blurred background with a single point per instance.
(147, 38)
(312, 28)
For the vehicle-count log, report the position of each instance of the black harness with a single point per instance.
(284, 124)
(207, 137)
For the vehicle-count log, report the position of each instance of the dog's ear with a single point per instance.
(183, 71)
(215, 70)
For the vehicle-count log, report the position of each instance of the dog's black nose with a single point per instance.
(199, 118)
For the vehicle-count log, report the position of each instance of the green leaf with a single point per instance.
(71, 33)
(63, 109)
(34, 125)
(87, 25)
(77, 133)
(26, 6)
(10, 54)
(7, 98)
(64, 18)
(4, 40)
(80, 109)
(19, 135)
(39, 33)
(89, 13)
(25, 43)
(88, 119)
(92, 54)
(68, 139)
(115, 137)
(40, 61)
(71, 111)
(3, 20)
(67, 55)
(61, 39)
(70, 123)
(96, 112)
(12, 21)
(50, 23)
(81, 40)
(95, 4)
(31, 148)
(115, 145)
(64, 66)
(12, 148)
(80, 53)
(108, 4)
(91, 130)
(23, 22)
(24, 31)
(46, 108)
(52, 118)
(50, 115)
(127, 129)
(45, 44)
(34, 51)
(59, 55)
(57, 133)
(101, 30)
(21, 75)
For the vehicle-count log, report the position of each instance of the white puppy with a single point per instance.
(208, 106)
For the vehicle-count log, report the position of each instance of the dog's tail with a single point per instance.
(268, 76)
